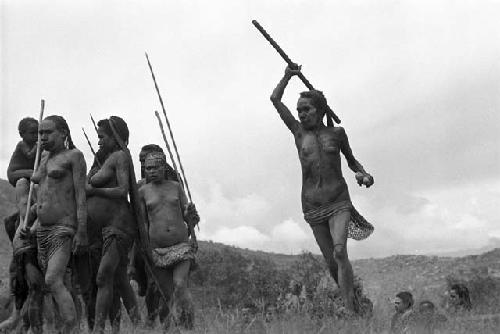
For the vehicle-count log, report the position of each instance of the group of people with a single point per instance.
(424, 318)
(85, 225)
(83, 236)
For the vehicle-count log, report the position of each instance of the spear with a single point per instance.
(91, 148)
(290, 63)
(37, 158)
(169, 129)
(160, 123)
(93, 122)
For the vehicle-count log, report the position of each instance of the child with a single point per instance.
(23, 159)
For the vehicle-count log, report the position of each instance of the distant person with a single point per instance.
(326, 203)
(459, 299)
(427, 320)
(402, 320)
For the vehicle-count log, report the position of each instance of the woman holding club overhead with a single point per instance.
(326, 202)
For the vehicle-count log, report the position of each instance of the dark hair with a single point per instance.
(24, 123)
(118, 123)
(427, 302)
(151, 148)
(406, 297)
(463, 295)
(62, 126)
(318, 100)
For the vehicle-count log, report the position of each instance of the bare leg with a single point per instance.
(325, 242)
(338, 228)
(22, 190)
(127, 293)
(105, 277)
(54, 279)
(35, 298)
(162, 307)
(115, 311)
(152, 304)
(182, 297)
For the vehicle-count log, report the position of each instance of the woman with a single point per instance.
(61, 211)
(109, 208)
(168, 211)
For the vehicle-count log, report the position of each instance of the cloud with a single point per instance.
(241, 236)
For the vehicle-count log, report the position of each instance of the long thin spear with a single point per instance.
(93, 122)
(91, 148)
(37, 158)
(169, 129)
(160, 123)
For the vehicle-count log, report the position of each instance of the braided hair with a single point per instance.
(62, 126)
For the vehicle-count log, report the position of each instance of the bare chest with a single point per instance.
(163, 197)
(56, 170)
(312, 145)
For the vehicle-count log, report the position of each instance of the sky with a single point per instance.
(416, 84)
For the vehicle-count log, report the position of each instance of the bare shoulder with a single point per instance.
(338, 130)
(143, 188)
(119, 157)
(75, 154)
(21, 145)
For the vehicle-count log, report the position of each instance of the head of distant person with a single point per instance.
(459, 296)
(426, 308)
(403, 301)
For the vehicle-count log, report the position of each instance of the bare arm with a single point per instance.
(353, 164)
(79, 180)
(282, 109)
(122, 177)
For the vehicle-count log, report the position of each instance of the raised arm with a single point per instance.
(276, 96)
(79, 180)
(361, 175)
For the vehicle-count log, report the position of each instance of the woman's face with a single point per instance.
(106, 142)
(51, 138)
(155, 170)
